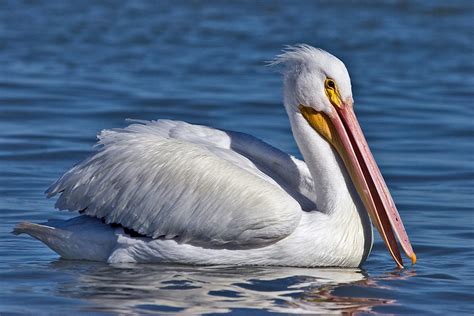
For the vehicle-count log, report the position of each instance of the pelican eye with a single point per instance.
(330, 84)
(332, 92)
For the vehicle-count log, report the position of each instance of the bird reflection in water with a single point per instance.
(137, 289)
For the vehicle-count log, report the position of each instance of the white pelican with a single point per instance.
(169, 191)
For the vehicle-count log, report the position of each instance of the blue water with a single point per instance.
(72, 68)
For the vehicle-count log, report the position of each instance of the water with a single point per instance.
(72, 69)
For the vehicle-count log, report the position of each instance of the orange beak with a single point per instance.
(343, 131)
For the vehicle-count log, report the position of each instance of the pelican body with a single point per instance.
(169, 191)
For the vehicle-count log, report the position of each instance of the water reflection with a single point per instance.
(136, 289)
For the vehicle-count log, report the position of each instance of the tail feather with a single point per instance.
(28, 228)
(80, 238)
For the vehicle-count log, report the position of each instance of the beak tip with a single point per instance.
(413, 259)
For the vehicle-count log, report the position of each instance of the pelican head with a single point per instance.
(318, 87)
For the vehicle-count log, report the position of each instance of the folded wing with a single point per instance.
(194, 184)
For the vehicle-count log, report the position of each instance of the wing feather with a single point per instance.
(169, 179)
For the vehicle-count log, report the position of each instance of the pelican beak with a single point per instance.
(343, 131)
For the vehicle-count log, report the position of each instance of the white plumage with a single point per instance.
(200, 195)
(174, 180)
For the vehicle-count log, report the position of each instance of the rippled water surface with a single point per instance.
(70, 69)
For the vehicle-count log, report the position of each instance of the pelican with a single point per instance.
(169, 191)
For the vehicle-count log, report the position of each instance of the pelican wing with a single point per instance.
(194, 184)
(289, 172)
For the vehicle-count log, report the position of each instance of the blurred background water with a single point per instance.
(72, 68)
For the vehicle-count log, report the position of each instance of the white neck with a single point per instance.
(333, 188)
